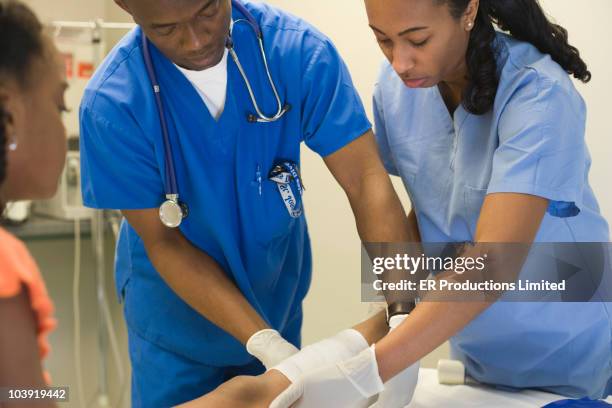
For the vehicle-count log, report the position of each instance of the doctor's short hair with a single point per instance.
(524, 20)
(21, 41)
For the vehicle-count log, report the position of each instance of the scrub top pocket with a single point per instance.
(270, 216)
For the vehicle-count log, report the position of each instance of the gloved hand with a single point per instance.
(400, 389)
(344, 345)
(349, 383)
(269, 347)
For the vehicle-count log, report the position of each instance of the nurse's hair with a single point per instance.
(21, 41)
(524, 20)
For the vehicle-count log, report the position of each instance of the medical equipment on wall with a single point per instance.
(80, 47)
(81, 58)
(79, 51)
(172, 211)
(16, 212)
(67, 203)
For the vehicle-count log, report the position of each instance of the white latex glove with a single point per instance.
(269, 347)
(344, 345)
(348, 384)
(400, 389)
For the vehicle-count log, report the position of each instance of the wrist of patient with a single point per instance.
(342, 346)
(275, 381)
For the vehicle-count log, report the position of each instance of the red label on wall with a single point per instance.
(85, 70)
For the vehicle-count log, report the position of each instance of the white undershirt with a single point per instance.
(211, 85)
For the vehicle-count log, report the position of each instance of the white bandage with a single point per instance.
(342, 346)
(347, 384)
(396, 320)
(399, 390)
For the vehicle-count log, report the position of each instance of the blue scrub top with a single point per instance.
(531, 142)
(247, 230)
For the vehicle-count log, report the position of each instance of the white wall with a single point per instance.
(50, 10)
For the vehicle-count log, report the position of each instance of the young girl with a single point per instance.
(32, 153)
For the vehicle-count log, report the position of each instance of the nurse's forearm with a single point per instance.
(437, 318)
(426, 328)
(199, 280)
(432, 323)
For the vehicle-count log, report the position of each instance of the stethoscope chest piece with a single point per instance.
(172, 212)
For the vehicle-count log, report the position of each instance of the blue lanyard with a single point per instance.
(285, 175)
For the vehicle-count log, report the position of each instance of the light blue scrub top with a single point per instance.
(531, 142)
(250, 234)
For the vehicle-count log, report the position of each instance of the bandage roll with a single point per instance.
(451, 372)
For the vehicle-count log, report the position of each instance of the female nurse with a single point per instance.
(486, 130)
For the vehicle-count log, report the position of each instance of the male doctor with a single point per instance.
(222, 294)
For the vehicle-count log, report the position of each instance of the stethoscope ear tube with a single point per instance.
(170, 183)
(258, 116)
(251, 118)
(171, 212)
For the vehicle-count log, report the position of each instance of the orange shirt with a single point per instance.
(17, 268)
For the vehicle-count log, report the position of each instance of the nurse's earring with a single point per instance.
(470, 25)
(12, 146)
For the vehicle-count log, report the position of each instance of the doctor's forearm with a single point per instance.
(379, 214)
(413, 227)
(359, 171)
(381, 218)
(199, 280)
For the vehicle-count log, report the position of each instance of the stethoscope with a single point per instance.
(173, 211)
